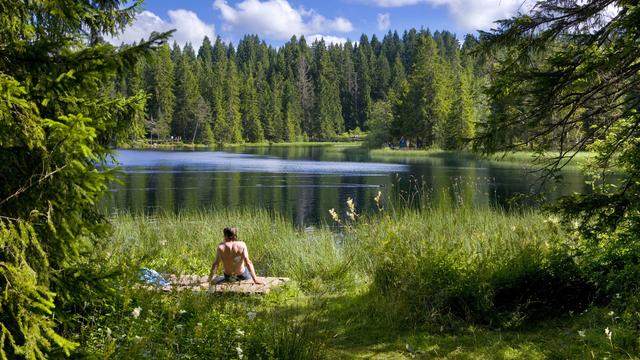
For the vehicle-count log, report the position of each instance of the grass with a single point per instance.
(420, 283)
(580, 158)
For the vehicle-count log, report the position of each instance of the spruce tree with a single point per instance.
(327, 119)
(251, 124)
(230, 129)
(57, 121)
(362, 85)
(217, 101)
(185, 122)
(162, 99)
(381, 78)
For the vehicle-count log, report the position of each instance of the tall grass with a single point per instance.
(355, 282)
(186, 243)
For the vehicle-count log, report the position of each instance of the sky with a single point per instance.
(275, 21)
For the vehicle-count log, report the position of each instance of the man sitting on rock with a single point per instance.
(235, 259)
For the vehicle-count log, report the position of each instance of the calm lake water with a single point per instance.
(304, 182)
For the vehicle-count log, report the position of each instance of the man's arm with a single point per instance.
(214, 267)
(252, 271)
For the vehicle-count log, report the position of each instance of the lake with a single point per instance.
(304, 182)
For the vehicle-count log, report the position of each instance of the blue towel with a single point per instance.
(151, 277)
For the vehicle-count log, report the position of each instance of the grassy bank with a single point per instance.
(430, 283)
(525, 157)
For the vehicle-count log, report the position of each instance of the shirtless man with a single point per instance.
(234, 256)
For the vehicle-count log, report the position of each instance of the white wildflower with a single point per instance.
(136, 312)
(251, 315)
(239, 351)
(108, 332)
(350, 204)
(137, 338)
(608, 333)
(334, 215)
(581, 333)
(199, 324)
(182, 312)
(377, 200)
(239, 332)
(611, 313)
(179, 326)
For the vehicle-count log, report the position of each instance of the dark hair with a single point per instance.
(230, 233)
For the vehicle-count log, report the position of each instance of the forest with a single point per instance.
(251, 92)
(434, 276)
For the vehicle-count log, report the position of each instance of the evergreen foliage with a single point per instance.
(310, 90)
(569, 74)
(59, 113)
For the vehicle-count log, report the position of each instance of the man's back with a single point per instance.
(232, 254)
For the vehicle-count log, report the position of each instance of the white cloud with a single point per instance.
(328, 39)
(468, 14)
(277, 19)
(384, 21)
(189, 28)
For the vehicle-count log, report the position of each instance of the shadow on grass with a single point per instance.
(358, 326)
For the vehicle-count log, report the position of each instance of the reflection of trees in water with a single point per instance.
(306, 198)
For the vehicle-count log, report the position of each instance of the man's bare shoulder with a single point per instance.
(221, 246)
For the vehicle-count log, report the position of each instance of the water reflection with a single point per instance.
(304, 182)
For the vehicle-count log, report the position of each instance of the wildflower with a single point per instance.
(136, 312)
(350, 204)
(239, 351)
(239, 332)
(182, 311)
(351, 212)
(377, 200)
(108, 332)
(608, 333)
(581, 333)
(334, 215)
(199, 324)
(251, 315)
(137, 338)
(513, 228)
(179, 326)
(611, 313)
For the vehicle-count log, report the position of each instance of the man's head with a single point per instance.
(230, 233)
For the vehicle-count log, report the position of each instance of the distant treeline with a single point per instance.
(421, 85)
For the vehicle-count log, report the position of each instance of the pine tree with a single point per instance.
(187, 94)
(230, 126)
(292, 111)
(327, 119)
(217, 101)
(348, 87)
(305, 90)
(382, 77)
(418, 111)
(53, 163)
(251, 125)
(398, 75)
(162, 102)
(362, 86)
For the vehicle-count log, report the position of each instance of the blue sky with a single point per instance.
(275, 21)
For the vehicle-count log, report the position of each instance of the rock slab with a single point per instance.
(199, 283)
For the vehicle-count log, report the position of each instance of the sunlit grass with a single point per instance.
(337, 305)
